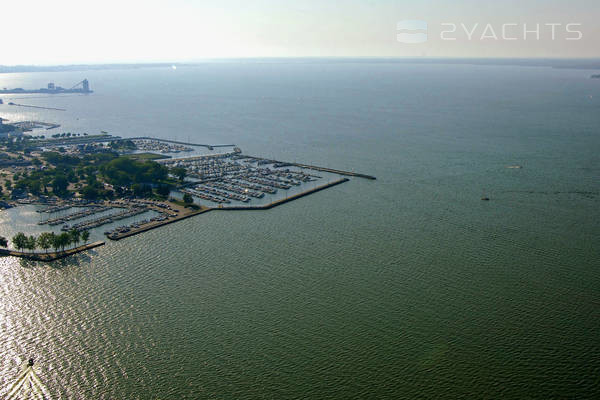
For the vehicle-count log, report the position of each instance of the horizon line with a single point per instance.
(199, 61)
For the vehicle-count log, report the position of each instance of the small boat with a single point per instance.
(485, 198)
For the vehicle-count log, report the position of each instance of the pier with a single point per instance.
(42, 108)
(69, 217)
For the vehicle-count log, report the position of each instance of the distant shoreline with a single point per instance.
(563, 63)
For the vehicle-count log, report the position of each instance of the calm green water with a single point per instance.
(405, 287)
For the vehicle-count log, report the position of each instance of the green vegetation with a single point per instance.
(19, 143)
(96, 174)
(163, 191)
(46, 240)
(179, 173)
(187, 198)
(4, 128)
(19, 241)
(122, 145)
(184, 204)
(65, 134)
(146, 156)
(125, 171)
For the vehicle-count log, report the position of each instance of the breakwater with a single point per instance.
(316, 168)
(285, 200)
(29, 106)
(52, 255)
(156, 224)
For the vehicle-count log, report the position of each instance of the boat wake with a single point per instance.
(28, 385)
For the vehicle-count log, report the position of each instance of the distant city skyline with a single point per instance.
(109, 31)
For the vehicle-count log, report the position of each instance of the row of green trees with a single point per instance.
(47, 240)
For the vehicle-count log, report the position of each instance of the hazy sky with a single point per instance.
(106, 31)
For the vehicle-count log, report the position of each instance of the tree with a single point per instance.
(31, 243)
(179, 172)
(75, 236)
(44, 241)
(89, 192)
(85, 236)
(141, 190)
(163, 190)
(55, 241)
(64, 239)
(34, 186)
(3, 242)
(187, 198)
(60, 184)
(19, 241)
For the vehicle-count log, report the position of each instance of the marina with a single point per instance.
(409, 286)
(85, 225)
(153, 145)
(31, 125)
(222, 182)
(226, 180)
(184, 213)
(208, 146)
(236, 180)
(76, 215)
(54, 209)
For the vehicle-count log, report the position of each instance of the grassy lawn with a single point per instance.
(146, 156)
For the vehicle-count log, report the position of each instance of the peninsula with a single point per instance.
(119, 187)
